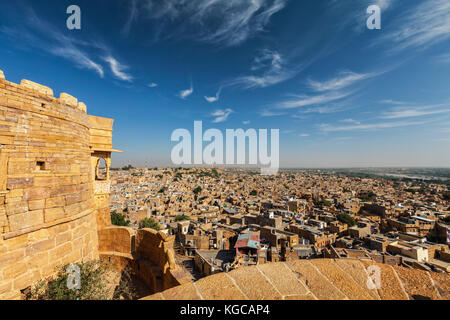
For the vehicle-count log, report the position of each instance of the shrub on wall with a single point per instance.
(97, 281)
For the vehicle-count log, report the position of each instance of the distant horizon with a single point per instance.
(281, 168)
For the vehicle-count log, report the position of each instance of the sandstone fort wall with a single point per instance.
(54, 203)
(47, 206)
(148, 254)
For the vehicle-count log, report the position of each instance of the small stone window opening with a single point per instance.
(40, 165)
(101, 171)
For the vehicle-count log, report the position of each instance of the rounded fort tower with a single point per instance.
(53, 198)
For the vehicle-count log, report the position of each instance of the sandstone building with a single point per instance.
(54, 202)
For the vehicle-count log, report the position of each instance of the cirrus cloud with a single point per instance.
(221, 22)
(221, 115)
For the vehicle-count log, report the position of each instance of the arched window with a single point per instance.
(100, 172)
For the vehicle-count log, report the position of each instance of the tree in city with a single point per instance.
(182, 218)
(149, 223)
(324, 202)
(347, 219)
(197, 190)
(118, 219)
(164, 189)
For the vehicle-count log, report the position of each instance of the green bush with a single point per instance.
(367, 197)
(118, 219)
(197, 190)
(182, 218)
(325, 203)
(149, 223)
(347, 219)
(253, 193)
(96, 283)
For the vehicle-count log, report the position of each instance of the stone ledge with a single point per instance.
(82, 107)
(116, 254)
(15, 234)
(68, 99)
(37, 87)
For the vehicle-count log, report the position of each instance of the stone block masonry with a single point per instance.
(148, 254)
(48, 207)
(54, 204)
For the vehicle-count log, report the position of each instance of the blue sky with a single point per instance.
(342, 95)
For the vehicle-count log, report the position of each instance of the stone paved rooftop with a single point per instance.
(319, 279)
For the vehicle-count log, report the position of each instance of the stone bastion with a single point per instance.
(54, 203)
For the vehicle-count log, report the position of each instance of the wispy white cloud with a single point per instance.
(274, 70)
(132, 16)
(383, 4)
(186, 93)
(444, 58)
(222, 22)
(421, 26)
(118, 69)
(393, 102)
(221, 115)
(410, 112)
(350, 121)
(271, 113)
(327, 96)
(78, 57)
(214, 99)
(246, 122)
(305, 100)
(343, 80)
(152, 85)
(264, 81)
(371, 126)
(268, 58)
(44, 36)
(304, 135)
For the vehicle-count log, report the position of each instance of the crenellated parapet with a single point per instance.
(64, 98)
